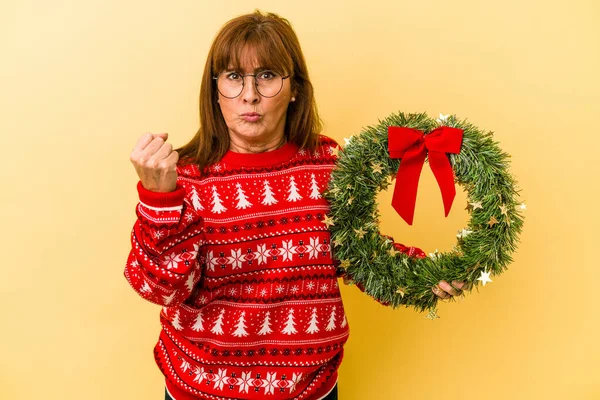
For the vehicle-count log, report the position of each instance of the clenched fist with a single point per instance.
(155, 162)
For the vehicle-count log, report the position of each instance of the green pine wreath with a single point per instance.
(371, 259)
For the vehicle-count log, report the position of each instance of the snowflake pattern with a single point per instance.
(245, 381)
(236, 259)
(317, 248)
(170, 261)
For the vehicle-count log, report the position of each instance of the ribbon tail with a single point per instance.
(442, 170)
(407, 183)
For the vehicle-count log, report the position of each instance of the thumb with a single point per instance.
(164, 136)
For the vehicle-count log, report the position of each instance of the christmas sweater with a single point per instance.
(241, 262)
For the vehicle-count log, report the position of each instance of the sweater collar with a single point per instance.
(267, 158)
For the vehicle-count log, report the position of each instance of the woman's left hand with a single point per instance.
(445, 291)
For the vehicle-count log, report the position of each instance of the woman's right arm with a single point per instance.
(164, 263)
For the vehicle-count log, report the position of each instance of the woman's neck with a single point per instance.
(242, 146)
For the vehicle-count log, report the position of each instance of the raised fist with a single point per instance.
(155, 162)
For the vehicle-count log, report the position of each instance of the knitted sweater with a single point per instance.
(241, 263)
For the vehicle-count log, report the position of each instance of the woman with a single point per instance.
(229, 238)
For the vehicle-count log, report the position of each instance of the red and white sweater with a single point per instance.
(242, 265)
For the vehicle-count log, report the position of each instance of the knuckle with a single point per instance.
(154, 164)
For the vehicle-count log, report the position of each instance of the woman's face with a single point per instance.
(254, 121)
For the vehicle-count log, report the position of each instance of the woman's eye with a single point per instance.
(234, 76)
(266, 75)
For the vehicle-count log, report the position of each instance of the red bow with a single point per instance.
(411, 145)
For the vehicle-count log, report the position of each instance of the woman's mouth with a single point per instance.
(251, 117)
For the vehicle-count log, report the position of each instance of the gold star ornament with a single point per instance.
(377, 168)
(360, 233)
(328, 221)
(476, 205)
(401, 291)
(432, 315)
(493, 221)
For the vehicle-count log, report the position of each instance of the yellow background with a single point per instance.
(82, 80)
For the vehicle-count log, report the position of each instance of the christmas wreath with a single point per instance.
(397, 148)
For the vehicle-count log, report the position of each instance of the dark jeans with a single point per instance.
(333, 395)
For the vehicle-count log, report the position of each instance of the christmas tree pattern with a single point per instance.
(293, 194)
(344, 322)
(218, 207)
(315, 194)
(266, 326)
(199, 323)
(242, 199)
(189, 283)
(312, 327)
(217, 328)
(169, 299)
(289, 325)
(196, 200)
(146, 289)
(268, 199)
(331, 325)
(241, 326)
(176, 322)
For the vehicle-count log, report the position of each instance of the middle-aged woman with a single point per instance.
(229, 238)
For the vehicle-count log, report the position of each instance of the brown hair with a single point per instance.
(277, 48)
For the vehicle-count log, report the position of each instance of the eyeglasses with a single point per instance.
(231, 84)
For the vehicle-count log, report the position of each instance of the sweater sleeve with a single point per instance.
(164, 262)
(411, 251)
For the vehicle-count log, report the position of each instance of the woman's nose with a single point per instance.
(249, 92)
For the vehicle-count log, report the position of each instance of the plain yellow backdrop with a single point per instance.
(82, 80)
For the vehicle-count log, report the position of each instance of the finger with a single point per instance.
(458, 284)
(173, 157)
(460, 287)
(439, 292)
(143, 141)
(448, 288)
(466, 286)
(154, 146)
(164, 151)
(147, 139)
